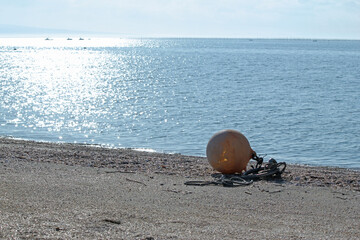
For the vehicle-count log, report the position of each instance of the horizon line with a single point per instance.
(136, 36)
(22, 31)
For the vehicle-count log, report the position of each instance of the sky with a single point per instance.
(329, 19)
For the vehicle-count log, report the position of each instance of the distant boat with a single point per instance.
(47, 39)
(81, 39)
(69, 39)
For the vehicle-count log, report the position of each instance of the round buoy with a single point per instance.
(229, 152)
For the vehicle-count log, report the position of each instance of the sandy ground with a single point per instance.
(67, 191)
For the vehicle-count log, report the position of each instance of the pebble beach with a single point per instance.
(66, 191)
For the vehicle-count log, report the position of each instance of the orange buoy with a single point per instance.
(229, 152)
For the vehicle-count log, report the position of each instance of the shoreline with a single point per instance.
(129, 160)
(66, 191)
(150, 151)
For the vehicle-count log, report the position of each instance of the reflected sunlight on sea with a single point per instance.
(295, 100)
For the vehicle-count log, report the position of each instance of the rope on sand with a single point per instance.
(269, 170)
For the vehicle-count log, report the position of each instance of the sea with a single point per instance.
(296, 100)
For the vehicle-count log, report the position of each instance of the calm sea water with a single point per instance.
(295, 100)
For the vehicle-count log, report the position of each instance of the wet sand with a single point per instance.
(65, 191)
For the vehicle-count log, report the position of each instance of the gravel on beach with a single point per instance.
(128, 160)
(74, 191)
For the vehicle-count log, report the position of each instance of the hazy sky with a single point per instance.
(191, 18)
